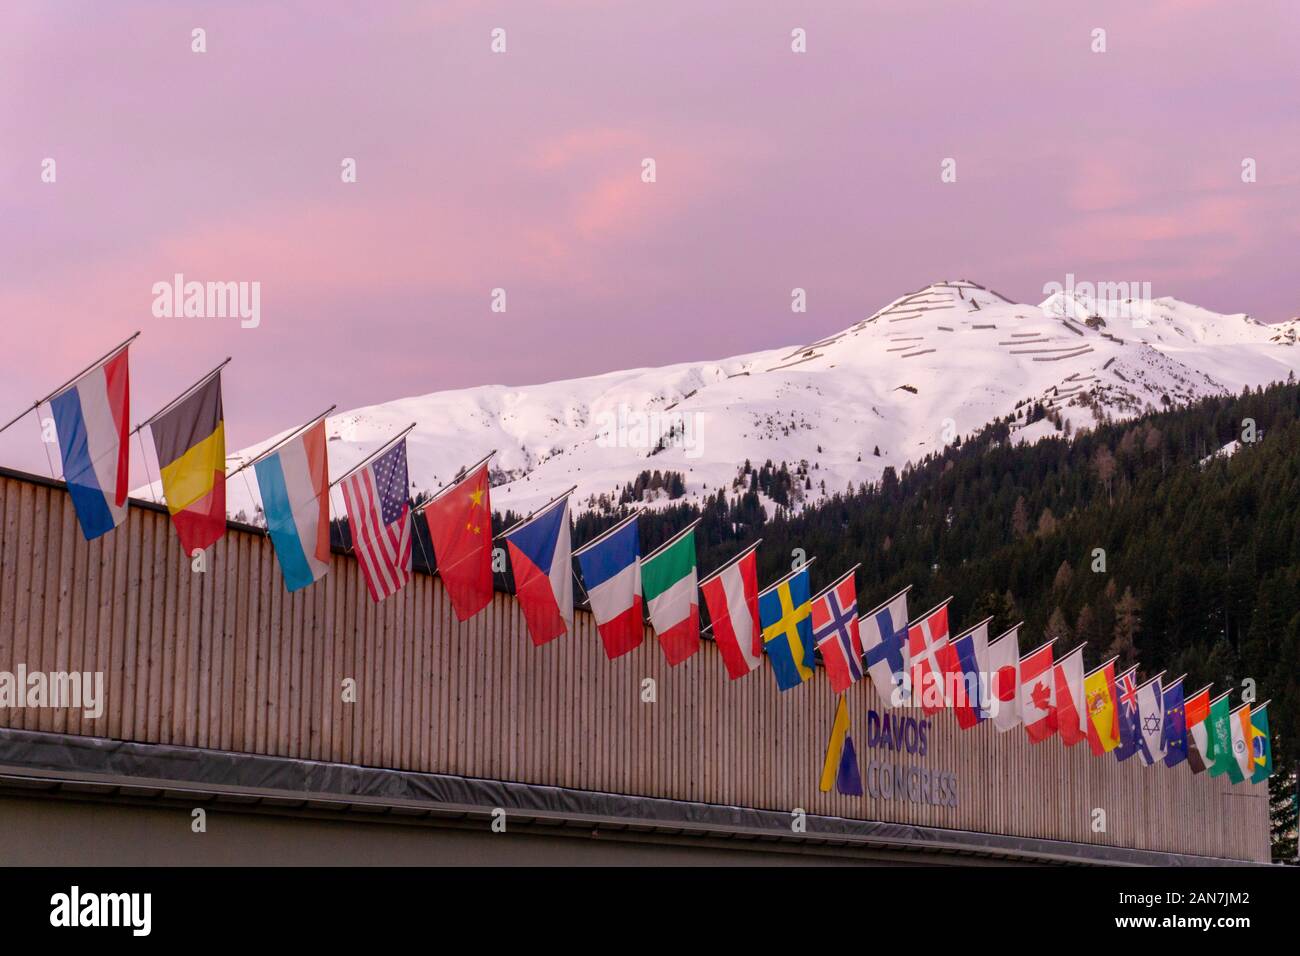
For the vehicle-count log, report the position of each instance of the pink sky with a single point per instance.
(522, 171)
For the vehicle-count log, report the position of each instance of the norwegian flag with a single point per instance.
(835, 631)
(925, 638)
(379, 517)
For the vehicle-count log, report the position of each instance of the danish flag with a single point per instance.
(925, 638)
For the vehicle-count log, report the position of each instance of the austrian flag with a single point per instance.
(731, 595)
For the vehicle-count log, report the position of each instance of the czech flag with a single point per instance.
(731, 595)
(611, 572)
(541, 558)
(90, 416)
(294, 482)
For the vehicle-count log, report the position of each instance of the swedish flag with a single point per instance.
(785, 612)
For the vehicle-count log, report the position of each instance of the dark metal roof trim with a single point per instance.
(64, 759)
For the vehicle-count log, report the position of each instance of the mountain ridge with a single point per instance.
(901, 383)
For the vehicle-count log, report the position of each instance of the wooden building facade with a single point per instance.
(225, 660)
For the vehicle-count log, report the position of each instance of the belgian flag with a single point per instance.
(190, 440)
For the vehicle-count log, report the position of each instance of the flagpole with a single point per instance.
(1101, 666)
(1025, 657)
(1076, 649)
(375, 454)
(465, 474)
(607, 532)
(728, 563)
(1015, 627)
(1151, 680)
(838, 582)
(282, 441)
(523, 521)
(38, 403)
(884, 604)
(946, 601)
(975, 627)
(673, 539)
(780, 581)
(181, 397)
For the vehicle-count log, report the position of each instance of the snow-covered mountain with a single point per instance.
(929, 366)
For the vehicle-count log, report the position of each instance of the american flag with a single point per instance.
(380, 522)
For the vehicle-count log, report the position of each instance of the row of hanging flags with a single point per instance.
(916, 663)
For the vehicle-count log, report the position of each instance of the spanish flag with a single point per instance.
(190, 440)
(1103, 715)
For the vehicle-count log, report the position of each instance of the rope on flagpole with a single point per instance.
(144, 459)
(46, 445)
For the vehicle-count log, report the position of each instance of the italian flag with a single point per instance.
(668, 581)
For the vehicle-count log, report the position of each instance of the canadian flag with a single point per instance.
(1038, 693)
(925, 638)
(1071, 704)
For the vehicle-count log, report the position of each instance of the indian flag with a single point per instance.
(668, 581)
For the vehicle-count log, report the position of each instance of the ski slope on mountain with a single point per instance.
(931, 365)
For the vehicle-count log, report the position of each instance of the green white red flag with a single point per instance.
(668, 581)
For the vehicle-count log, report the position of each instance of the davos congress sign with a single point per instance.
(889, 736)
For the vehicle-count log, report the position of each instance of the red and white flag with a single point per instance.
(1038, 693)
(380, 521)
(1004, 680)
(835, 631)
(731, 595)
(926, 636)
(1071, 704)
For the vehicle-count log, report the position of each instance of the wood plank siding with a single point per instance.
(227, 660)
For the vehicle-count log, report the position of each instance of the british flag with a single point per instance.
(379, 518)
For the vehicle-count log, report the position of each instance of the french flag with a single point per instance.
(541, 558)
(90, 416)
(611, 572)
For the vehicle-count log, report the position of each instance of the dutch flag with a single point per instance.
(90, 416)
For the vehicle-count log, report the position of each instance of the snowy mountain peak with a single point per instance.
(893, 387)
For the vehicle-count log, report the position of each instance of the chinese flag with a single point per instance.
(460, 526)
